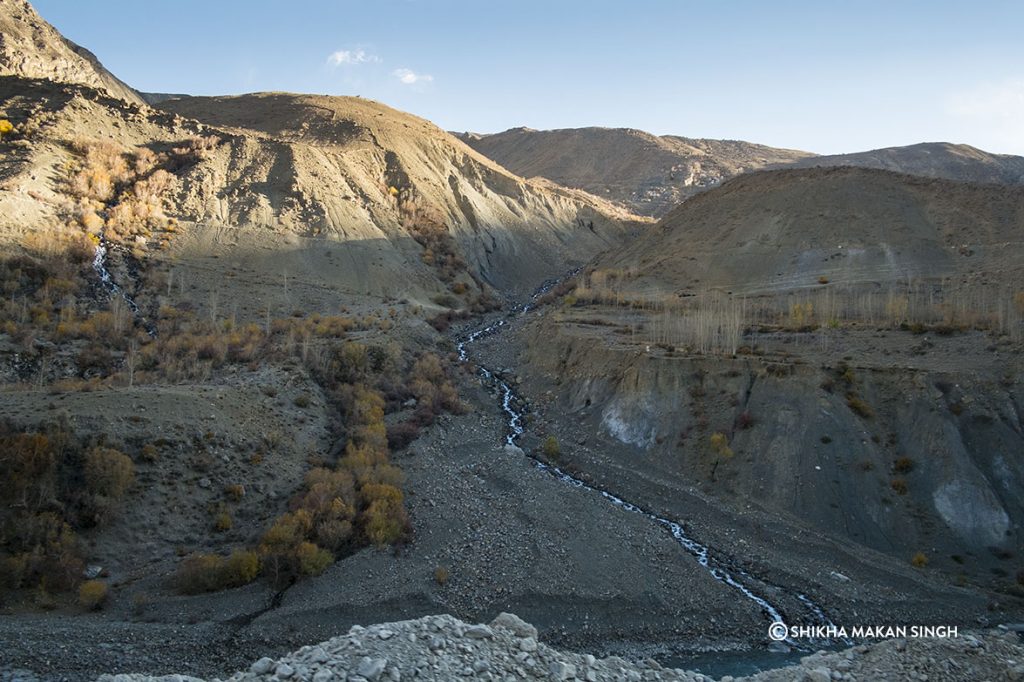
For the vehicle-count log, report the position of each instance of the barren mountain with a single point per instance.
(647, 173)
(932, 159)
(788, 229)
(32, 48)
(362, 171)
(838, 347)
(397, 201)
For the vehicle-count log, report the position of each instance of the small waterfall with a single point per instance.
(99, 264)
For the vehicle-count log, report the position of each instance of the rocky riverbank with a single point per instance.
(445, 648)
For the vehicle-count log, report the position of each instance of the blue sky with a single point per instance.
(825, 76)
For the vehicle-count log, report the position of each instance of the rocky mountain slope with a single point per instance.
(789, 229)
(32, 48)
(644, 172)
(371, 200)
(361, 172)
(444, 648)
(931, 159)
(837, 346)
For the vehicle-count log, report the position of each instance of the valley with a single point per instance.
(279, 369)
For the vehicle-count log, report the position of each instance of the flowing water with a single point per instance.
(99, 265)
(721, 568)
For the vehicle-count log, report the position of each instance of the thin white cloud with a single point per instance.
(997, 109)
(410, 77)
(351, 57)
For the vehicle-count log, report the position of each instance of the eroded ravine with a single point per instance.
(99, 265)
(724, 569)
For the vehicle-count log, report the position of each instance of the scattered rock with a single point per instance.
(560, 670)
(818, 675)
(444, 648)
(262, 666)
(479, 632)
(512, 622)
(371, 668)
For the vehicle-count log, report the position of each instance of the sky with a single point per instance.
(824, 76)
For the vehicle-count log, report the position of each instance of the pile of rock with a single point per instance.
(445, 648)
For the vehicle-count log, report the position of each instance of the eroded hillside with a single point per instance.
(649, 174)
(839, 348)
(932, 159)
(32, 48)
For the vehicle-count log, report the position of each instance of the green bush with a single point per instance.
(211, 572)
(857, 404)
(313, 560)
(720, 445)
(551, 448)
(441, 575)
(108, 472)
(92, 594)
(200, 573)
(241, 568)
(223, 522)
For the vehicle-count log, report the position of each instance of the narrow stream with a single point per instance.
(721, 568)
(99, 265)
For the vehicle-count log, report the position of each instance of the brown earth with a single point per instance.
(960, 162)
(32, 48)
(872, 389)
(786, 230)
(649, 174)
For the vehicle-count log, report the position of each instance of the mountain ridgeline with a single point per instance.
(649, 174)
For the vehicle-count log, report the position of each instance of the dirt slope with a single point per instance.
(357, 169)
(647, 173)
(787, 229)
(932, 159)
(31, 47)
(872, 387)
(326, 189)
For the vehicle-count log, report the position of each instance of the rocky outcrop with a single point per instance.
(444, 648)
(32, 48)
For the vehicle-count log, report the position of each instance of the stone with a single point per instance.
(481, 666)
(262, 666)
(479, 632)
(371, 668)
(318, 655)
(514, 451)
(323, 675)
(560, 670)
(528, 644)
(385, 634)
(284, 671)
(818, 675)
